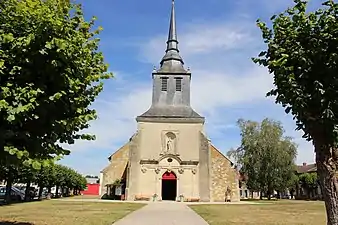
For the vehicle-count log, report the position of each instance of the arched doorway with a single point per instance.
(169, 186)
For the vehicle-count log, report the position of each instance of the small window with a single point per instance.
(178, 84)
(164, 84)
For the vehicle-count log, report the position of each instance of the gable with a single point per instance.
(119, 152)
(121, 155)
(216, 153)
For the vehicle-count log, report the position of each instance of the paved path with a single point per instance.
(163, 213)
(147, 202)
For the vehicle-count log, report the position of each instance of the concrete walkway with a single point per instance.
(148, 202)
(163, 213)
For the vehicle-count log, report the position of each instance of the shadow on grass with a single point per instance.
(3, 203)
(14, 223)
(260, 200)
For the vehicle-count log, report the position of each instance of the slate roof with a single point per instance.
(171, 111)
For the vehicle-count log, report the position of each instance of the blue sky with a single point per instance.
(217, 39)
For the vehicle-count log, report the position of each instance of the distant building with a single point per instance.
(301, 191)
(244, 192)
(93, 186)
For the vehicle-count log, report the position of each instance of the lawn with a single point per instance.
(267, 213)
(85, 197)
(65, 212)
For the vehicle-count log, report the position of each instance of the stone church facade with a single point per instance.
(170, 157)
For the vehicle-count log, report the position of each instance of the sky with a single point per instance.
(217, 39)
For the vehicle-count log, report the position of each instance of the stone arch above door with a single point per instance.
(169, 160)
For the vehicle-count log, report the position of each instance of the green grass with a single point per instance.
(50, 212)
(267, 213)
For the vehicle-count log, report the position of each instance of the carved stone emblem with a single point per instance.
(143, 169)
(194, 171)
(157, 170)
(181, 170)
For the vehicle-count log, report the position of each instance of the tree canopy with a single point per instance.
(50, 176)
(265, 155)
(51, 72)
(301, 54)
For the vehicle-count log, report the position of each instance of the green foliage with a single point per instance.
(51, 175)
(265, 155)
(117, 182)
(293, 182)
(309, 180)
(302, 53)
(50, 73)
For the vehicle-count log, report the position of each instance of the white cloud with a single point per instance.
(215, 87)
(215, 90)
(197, 39)
(116, 117)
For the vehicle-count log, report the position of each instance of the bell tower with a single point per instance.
(171, 85)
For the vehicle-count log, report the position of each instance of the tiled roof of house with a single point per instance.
(306, 168)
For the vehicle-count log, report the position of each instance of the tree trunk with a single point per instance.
(28, 191)
(49, 191)
(40, 191)
(326, 160)
(57, 192)
(9, 182)
(291, 193)
(261, 195)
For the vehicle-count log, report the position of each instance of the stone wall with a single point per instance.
(116, 168)
(223, 176)
(134, 168)
(204, 169)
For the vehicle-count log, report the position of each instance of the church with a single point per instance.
(169, 157)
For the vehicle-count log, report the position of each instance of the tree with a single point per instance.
(265, 156)
(302, 56)
(26, 175)
(309, 181)
(293, 183)
(51, 72)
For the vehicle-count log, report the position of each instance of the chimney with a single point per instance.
(304, 163)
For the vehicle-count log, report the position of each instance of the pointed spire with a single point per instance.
(172, 36)
(172, 60)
